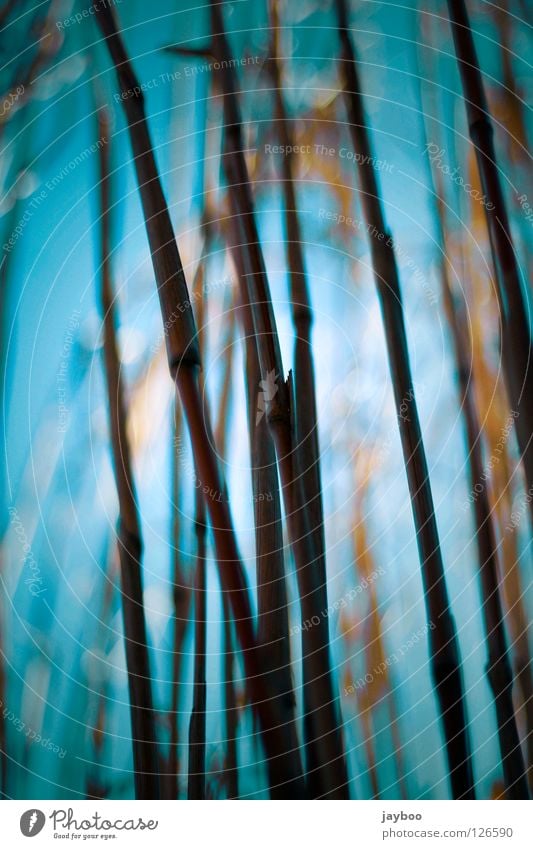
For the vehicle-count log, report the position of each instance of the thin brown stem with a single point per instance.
(181, 594)
(129, 533)
(444, 647)
(499, 670)
(231, 714)
(273, 627)
(184, 361)
(231, 776)
(328, 764)
(197, 741)
(517, 351)
(304, 370)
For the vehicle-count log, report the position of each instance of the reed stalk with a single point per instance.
(144, 739)
(184, 363)
(197, 740)
(494, 412)
(181, 596)
(304, 370)
(499, 669)
(231, 715)
(197, 725)
(273, 622)
(516, 347)
(328, 765)
(443, 643)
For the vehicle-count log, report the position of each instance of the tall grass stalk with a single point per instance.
(443, 643)
(144, 741)
(516, 347)
(331, 776)
(184, 364)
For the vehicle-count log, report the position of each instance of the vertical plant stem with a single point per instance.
(129, 535)
(304, 370)
(331, 776)
(517, 351)
(197, 726)
(231, 715)
(443, 643)
(197, 742)
(184, 362)
(273, 623)
(499, 670)
(487, 404)
(182, 599)
(498, 667)
(231, 775)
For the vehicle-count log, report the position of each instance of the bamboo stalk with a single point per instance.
(184, 362)
(517, 350)
(331, 776)
(443, 644)
(144, 739)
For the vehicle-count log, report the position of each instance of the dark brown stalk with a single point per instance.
(443, 643)
(483, 396)
(231, 713)
(499, 669)
(304, 370)
(184, 363)
(182, 601)
(197, 743)
(144, 740)
(273, 627)
(331, 776)
(97, 788)
(197, 739)
(498, 666)
(231, 717)
(517, 351)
